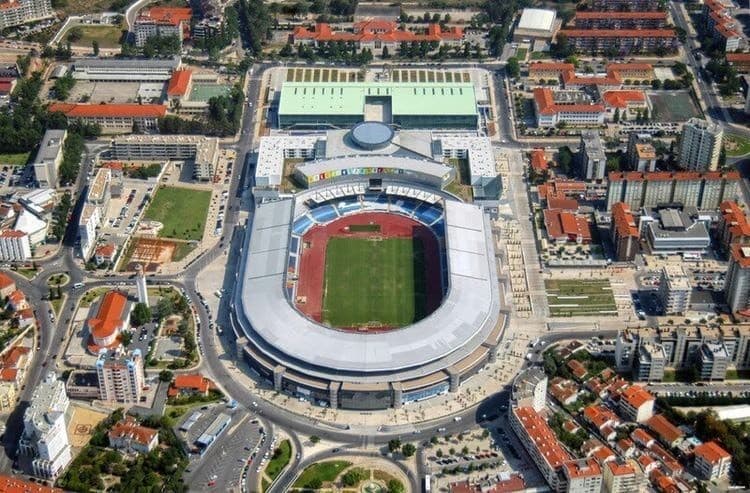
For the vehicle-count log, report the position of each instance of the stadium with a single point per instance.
(372, 287)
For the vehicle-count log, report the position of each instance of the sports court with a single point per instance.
(204, 92)
(369, 271)
(82, 424)
(672, 106)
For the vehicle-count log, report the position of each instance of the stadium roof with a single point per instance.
(467, 316)
(348, 98)
(537, 19)
(424, 167)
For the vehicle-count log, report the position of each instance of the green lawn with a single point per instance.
(521, 53)
(182, 211)
(324, 471)
(373, 281)
(108, 36)
(280, 460)
(573, 297)
(14, 159)
(736, 145)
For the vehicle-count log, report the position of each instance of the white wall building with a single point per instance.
(700, 145)
(48, 158)
(712, 461)
(15, 13)
(120, 378)
(45, 435)
(674, 290)
(14, 246)
(88, 223)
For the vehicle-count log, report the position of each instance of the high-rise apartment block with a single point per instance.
(674, 290)
(45, 435)
(700, 145)
(120, 376)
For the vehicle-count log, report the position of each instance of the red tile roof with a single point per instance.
(637, 396)
(582, 468)
(129, 427)
(562, 203)
(641, 436)
(384, 32)
(195, 382)
(6, 281)
(168, 15)
(110, 317)
(546, 103)
(561, 224)
(599, 415)
(543, 437)
(178, 84)
(738, 57)
(539, 160)
(620, 468)
(125, 110)
(711, 452)
(619, 33)
(551, 67)
(735, 218)
(604, 454)
(664, 429)
(622, 99)
(107, 250)
(623, 220)
(11, 484)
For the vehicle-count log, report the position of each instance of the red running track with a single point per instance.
(311, 265)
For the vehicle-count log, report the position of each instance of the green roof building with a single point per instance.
(406, 105)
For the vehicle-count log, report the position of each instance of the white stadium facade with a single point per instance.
(368, 370)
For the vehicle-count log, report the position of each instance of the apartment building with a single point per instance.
(114, 118)
(530, 389)
(625, 5)
(704, 191)
(637, 404)
(724, 28)
(48, 158)
(541, 444)
(592, 161)
(45, 436)
(622, 41)
(641, 152)
(583, 475)
(740, 61)
(14, 246)
(712, 462)
(120, 377)
(203, 151)
(733, 225)
(682, 345)
(623, 476)
(551, 111)
(88, 222)
(650, 364)
(737, 281)
(674, 289)
(625, 234)
(17, 12)
(700, 145)
(713, 362)
(619, 20)
(163, 22)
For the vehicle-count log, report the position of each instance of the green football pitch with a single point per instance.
(374, 282)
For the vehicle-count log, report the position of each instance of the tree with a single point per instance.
(126, 337)
(434, 440)
(95, 47)
(314, 439)
(141, 314)
(165, 376)
(513, 68)
(394, 485)
(394, 445)
(314, 484)
(616, 117)
(408, 449)
(385, 53)
(439, 452)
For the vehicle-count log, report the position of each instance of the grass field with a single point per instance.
(673, 106)
(182, 211)
(18, 159)
(108, 36)
(324, 471)
(281, 457)
(736, 145)
(374, 281)
(574, 297)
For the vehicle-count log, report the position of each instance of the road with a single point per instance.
(214, 355)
